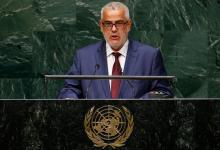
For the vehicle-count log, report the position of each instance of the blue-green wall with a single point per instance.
(40, 37)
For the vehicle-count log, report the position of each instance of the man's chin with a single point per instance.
(115, 47)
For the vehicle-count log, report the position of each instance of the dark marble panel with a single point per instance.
(87, 22)
(213, 16)
(48, 90)
(59, 15)
(147, 15)
(40, 15)
(18, 16)
(214, 39)
(153, 38)
(53, 54)
(214, 86)
(186, 53)
(160, 15)
(15, 55)
(29, 88)
(186, 56)
(185, 15)
(214, 54)
(40, 36)
(18, 57)
(16, 37)
(192, 86)
(168, 125)
(16, 88)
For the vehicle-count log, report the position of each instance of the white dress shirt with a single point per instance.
(111, 58)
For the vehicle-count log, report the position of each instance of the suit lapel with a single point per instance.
(130, 64)
(103, 69)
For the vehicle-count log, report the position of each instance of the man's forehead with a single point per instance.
(116, 14)
(110, 10)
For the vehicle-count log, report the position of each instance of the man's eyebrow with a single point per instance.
(113, 21)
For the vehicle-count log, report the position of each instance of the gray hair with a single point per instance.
(114, 6)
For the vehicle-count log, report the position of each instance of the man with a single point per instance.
(116, 55)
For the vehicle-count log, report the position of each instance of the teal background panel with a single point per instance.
(15, 54)
(25, 26)
(15, 88)
(40, 37)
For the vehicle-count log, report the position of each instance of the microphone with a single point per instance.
(130, 84)
(90, 83)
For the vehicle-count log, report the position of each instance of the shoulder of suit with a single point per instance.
(143, 47)
(92, 47)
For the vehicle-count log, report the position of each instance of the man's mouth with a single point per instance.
(114, 37)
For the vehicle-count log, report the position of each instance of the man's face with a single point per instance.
(115, 27)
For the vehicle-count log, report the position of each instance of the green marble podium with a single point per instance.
(169, 124)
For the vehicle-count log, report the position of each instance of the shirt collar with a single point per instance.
(123, 51)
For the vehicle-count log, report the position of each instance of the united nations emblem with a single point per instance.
(108, 126)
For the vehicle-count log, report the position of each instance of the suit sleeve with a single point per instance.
(160, 87)
(72, 87)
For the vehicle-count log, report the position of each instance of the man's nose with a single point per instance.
(114, 29)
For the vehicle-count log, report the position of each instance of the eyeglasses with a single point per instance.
(117, 24)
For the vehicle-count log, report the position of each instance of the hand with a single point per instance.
(156, 94)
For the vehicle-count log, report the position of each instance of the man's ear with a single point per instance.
(100, 25)
(129, 24)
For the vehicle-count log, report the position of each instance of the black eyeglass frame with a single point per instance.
(117, 24)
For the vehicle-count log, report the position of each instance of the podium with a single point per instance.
(158, 123)
(127, 124)
(170, 79)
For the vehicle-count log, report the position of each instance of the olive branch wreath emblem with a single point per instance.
(98, 142)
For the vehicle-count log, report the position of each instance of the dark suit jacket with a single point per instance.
(141, 60)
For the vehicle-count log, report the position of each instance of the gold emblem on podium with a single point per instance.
(108, 126)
